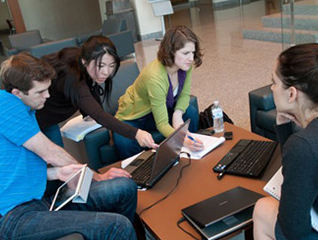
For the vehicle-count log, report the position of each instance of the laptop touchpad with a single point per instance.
(230, 221)
(137, 162)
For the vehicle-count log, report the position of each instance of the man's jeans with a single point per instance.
(108, 214)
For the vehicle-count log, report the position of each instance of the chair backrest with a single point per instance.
(124, 43)
(111, 26)
(51, 47)
(80, 39)
(24, 41)
(126, 75)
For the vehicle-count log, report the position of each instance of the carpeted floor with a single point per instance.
(232, 66)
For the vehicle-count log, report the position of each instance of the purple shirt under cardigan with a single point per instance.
(170, 101)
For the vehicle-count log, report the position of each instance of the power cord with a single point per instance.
(181, 220)
(172, 190)
(160, 200)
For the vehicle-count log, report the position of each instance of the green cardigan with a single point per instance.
(148, 94)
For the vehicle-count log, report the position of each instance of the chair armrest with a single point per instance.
(195, 117)
(45, 40)
(260, 99)
(10, 51)
(93, 141)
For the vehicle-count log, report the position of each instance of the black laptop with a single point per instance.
(248, 158)
(222, 214)
(151, 165)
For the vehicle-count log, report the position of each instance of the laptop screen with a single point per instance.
(169, 150)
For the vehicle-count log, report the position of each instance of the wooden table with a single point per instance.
(198, 182)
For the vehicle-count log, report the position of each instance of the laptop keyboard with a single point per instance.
(142, 173)
(247, 158)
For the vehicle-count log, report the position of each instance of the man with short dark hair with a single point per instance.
(25, 153)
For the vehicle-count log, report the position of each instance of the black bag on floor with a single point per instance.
(206, 120)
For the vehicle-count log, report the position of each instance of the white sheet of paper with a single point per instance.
(209, 142)
(76, 128)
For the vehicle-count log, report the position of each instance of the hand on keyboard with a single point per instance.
(112, 173)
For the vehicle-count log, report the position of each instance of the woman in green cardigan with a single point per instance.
(159, 98)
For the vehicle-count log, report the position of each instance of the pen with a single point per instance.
(220, 175)
(191, 138)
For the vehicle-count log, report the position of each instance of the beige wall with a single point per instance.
(58, 19)
(147, 22)
(4, 14)
(102, 7)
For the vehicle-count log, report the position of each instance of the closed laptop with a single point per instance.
(222, 214)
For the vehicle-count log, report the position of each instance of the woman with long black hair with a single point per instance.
(80, 74)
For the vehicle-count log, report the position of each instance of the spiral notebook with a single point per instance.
(273, 187)
(274, 184)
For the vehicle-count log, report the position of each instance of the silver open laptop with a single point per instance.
(151, 165)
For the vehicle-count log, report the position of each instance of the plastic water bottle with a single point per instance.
(217, 114)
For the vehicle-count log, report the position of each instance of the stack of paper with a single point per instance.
(209, 144)
(76, 128)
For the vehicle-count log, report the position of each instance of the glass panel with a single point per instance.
(287, 22)
(299, 20)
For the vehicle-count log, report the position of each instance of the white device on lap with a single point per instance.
(75, 189)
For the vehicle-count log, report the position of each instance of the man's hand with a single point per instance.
(145, 139)
(111, 173)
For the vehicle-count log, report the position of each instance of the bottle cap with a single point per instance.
(216, 102)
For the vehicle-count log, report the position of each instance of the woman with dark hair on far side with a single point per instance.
(295, 91)
(80, 74)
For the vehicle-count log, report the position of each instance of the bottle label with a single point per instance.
(217, 113)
